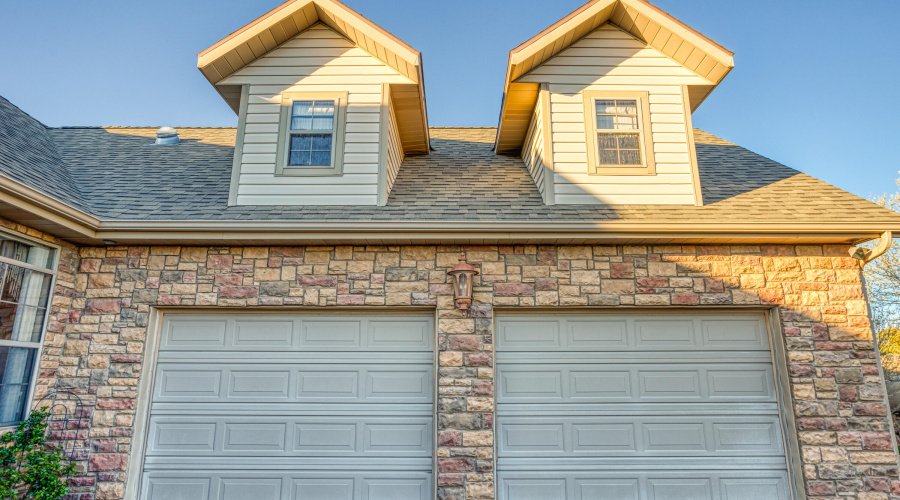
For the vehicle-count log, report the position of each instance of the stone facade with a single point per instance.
(103, 300)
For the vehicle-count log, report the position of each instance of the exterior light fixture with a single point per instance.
(462, 274)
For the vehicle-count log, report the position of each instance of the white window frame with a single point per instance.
(645, 138)
(337, 140)
(39, 346)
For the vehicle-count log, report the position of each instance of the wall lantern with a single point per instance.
(462, 274)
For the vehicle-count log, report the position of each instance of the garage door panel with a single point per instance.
(596, 436)
(643, 484)
(638, 406)
(297, 382)
(332, 333)
(292, 407)
(643, 382)
(733, 332)
(224, 436)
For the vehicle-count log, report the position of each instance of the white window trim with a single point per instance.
(646, 138)
(52, 271)
(337, 140)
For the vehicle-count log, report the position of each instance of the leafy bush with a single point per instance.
(889, 341)
(29, 468)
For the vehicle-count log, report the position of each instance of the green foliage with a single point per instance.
(29, 468)
(889, 341)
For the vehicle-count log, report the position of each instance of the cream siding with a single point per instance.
(611, 59)
(317, 60)
(394, 154)
(533, 149)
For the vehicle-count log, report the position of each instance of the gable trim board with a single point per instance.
(268, 32)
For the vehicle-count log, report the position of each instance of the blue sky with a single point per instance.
(809, 89)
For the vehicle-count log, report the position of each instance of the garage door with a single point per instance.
(654, 407)
(299, 407)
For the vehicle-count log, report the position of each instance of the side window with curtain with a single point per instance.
(26, 278)
(311, 134)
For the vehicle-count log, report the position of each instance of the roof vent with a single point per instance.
(166, 135)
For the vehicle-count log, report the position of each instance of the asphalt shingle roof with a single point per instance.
(115, 174)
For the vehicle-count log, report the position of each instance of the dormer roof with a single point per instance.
(279, 25)
(645, 21)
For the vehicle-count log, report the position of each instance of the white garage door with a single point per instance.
(642, 407)
(291, 407)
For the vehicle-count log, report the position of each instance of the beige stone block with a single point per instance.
(207, 299)
(575, 252)
(480, 405)
(317, 257)
(874, 457)
(835, 455)
(493, 268)
(479, 491)
(589, 277)
(804, 391)
(546, 298)
(661, 299)
(479, 438)
(76, 348)
(267, 274)
(102, 280)
(450, 359)
(662, 269)
(109, 491)
(811, 455)
(817, 438)
(133, 333)
(417, 252)
(255, 252)
(398, 298)
(620, 287)
(184, 289)
(456, 326)
(753, 281)
(98, 361)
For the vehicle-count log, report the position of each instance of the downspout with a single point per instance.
(866, 256)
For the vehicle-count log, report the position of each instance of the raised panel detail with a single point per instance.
(331, 437)
(399, 334)
(256, 489)
(598, 334)
(609, 489)
(254, 437)
(600, 438)
(532, 385)
(752, 489)
(395, 489)
(331, 334)
(540, 438)
(399, 384)
(670, 385)
(530, 334)
(323, 489)
(178, 436)
(259, 384)
(192, 384)
(680, 437)
(397, 437)
(536, 489)
(680, 489)
(263, 333)
(600, 385)
(330, 385)
(176, 489)
(209, 333)
(661, 333)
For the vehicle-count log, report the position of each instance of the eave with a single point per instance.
(279, 25)
(645, 21)
(23, 206)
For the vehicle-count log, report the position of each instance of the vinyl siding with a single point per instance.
(394, 150)
(534, 148)
(318, 59)
(610, 59)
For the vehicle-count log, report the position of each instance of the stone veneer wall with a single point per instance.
(103, 298)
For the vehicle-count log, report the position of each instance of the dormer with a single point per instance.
(328, 105)
(599, 105)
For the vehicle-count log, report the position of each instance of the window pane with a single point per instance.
(609, 157)
(301, 142)
(299, 158)
(322, 123)
(301, 123)
(34, 255)
(16, 366)
(24, 285)
(607, 141)
(606, 122)
(628, 141)
(627, 107)
(321, 158)
(626, 122)
(321, 142)
(21, 323)
(629, 157)
(302, 108)
(605, 106)
(324, 108)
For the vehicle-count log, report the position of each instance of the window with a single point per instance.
(617, 139)
(26, 279)
(311, 136)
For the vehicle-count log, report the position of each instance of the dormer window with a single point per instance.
(618, 135)
(311, 133)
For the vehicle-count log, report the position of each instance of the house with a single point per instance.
(265, 312)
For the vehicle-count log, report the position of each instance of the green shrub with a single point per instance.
(29, 468)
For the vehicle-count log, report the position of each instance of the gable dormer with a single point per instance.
(328, 106)
(599, 105)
